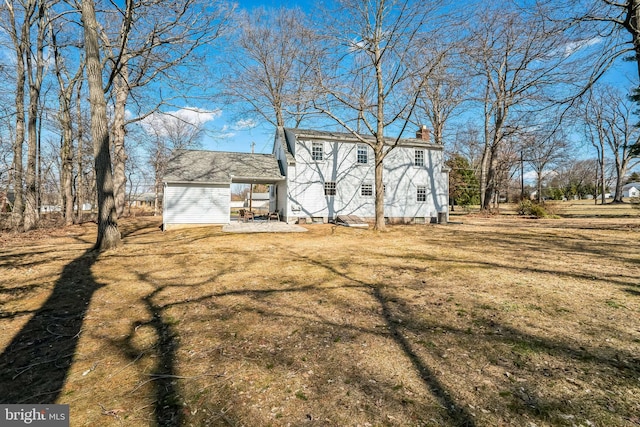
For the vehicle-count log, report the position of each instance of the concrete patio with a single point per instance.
(259, 226)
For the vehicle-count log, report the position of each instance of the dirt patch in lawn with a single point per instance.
(490, 322)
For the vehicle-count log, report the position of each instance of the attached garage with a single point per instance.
(197, 185)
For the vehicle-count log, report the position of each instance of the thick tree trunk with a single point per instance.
(119, 153)
(66, 146)
(108, 234)
(379, 187)
(31, 202)
(539, 186)
(31, 214)
(621, 171)
(80, 194)
(66, 157)
(18, 171)
(18, 204)
(484, 176)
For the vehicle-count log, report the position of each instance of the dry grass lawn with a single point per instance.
(491, 322)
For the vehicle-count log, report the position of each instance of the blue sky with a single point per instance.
(227, 131)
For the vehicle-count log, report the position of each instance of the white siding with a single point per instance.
(196, 204)
(340, 165)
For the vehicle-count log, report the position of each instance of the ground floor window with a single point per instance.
(366, 189)
(330, 188)
(421, 193)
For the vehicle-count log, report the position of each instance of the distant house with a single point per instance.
(313, 176)
(632, 189)
(144, 200)
(50, 208)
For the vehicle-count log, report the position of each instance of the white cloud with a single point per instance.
(573, 47)
(531, 177)
(245, 124)
(158, 122)
(225, 132)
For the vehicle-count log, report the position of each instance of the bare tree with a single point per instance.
(368, 84)
(518, 58)
(17, 24)
(152, 41)
(108, 234)
(35, 76)
(168, 133)
(443, 92)
(66, 88)
(268, 65)
(610, 119)
(613, 23)
(575, 178)
(543, 149)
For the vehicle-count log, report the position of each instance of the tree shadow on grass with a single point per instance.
(35, 365)
(168, 409)
(457, 413)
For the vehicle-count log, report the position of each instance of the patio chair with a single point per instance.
(274, 215)
(246, 215)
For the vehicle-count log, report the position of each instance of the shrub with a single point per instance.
(529, 208)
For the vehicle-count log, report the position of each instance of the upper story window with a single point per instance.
(419, 158)
(363, 154)
(366, 189)
(317, 151)
(421, 193)
(330, 188)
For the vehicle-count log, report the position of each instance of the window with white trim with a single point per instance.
(363, 154)
(366, 189)
(419, 158)
(317, 151)
(421, 193)
(330, 188)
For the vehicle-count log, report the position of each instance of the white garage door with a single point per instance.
(196, 204)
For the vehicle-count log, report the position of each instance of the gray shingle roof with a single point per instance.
(349, 137)
(217, 167)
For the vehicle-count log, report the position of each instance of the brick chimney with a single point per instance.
(423, 133)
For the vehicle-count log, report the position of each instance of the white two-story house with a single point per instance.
(314, 176)
(331, 174)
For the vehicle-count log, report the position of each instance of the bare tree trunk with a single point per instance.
(64, 116)
(31, 214)
(80, 196)
(66, 156)
(379, 186)
(18, 205)
(108, 234)
(621, 171)
(484, 178)
(539, 189)
(18, 39)
(120, 156)
(602, 175)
